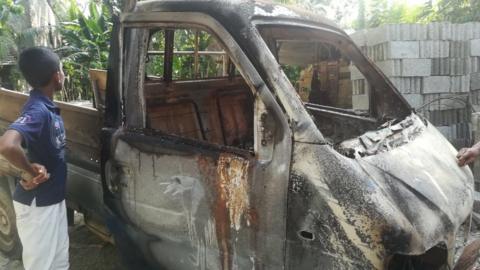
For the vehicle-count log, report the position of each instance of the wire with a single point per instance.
(454, 98)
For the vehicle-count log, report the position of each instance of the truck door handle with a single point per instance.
(112, 177)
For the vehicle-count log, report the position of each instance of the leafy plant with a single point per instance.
(8, 9)
(85, 45)
(455, 11)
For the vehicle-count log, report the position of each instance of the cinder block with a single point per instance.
(436, 84)
(404, 32)
(434, 49)
(476, 30)
(460, 84)
(416, 67)
(475, 81)
(446, 101)
(376, 35)
(475, 47)
(378, 52)
(392, 32)
(360, 102)
(440, 66)
(454, 102)
(458, 66)
(355, 74)
(421, 31)
(450, 66)
(459, 49)
(415, 100)
(433, 31)
(408, 85)
(458, 32)
(359, 87)
(468, 31)
(390, 68)
(446, 131)
(410, 31)
(445, 31)
(472, 65)
(403, 49)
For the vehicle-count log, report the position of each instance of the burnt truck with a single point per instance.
(250, 135)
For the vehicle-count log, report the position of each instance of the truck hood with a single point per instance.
(422, 181)
(405, 197)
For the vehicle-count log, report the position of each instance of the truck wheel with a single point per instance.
(9, 241)
(70, 217)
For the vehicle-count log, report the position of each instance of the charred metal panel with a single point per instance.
(177, 118)
(389, 136)
(219, 111)
(236, 114)
(194, 203)
(136, 42)
(113, 96)
(357, 213)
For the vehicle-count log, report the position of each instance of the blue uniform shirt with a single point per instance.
(43, 135)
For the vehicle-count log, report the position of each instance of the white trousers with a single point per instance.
(43, 232)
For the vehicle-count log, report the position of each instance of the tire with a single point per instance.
(70, 217)
(9, 241)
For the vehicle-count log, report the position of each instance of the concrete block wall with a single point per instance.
(435, 66)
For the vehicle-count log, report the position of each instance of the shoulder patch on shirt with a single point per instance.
(24, 119)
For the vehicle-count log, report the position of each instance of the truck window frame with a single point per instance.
(134, 101)
(385, 100)
(228, 68)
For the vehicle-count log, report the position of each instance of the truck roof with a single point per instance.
(239, 12)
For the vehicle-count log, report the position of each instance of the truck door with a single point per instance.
(197, 173)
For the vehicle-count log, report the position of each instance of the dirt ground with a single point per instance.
(87, 252)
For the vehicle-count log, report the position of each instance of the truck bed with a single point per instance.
(82, 126)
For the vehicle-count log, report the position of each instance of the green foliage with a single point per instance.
(85, 45)
(317, 6)
(8, 9)
(379, 12)
(292, 72)
(455, 11)
(183, 66)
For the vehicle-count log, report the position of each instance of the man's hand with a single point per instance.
(41, 175)
(467, 155)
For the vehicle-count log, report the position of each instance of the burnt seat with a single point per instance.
(219, 111)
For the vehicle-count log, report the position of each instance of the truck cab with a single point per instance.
(282, 147)
(272, 142)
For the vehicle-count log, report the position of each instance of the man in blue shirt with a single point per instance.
(40, 202)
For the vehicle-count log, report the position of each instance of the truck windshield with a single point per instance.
(321, 68)
(318, 67)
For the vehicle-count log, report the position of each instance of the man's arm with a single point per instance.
(11, 149)
(468, 155)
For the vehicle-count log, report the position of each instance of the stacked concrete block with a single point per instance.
(436, 67)
(475, 47)
(416, 67)
(434, 49)
(408, 85)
